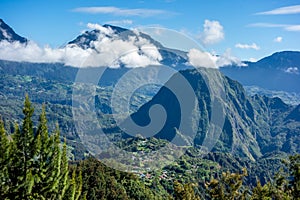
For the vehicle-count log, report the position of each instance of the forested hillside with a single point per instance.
(34, 165)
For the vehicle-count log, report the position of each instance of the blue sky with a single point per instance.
(250, 29)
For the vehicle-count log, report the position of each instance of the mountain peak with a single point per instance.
(8, 34)
(281, 60)
(84, 40)
(116, 29)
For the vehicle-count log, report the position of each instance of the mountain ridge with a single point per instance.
(278, 72)
(8, 34)
(245, 131)
(253, 126)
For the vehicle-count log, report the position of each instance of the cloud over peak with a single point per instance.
(103, 30)
(108, 50)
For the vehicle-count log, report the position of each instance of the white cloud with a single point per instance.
(268, 25)
(282, 11)
(287, 27)
(151, 52)
(292, 28)
(141, 12)
(292, 70)
(134, 59)
(106, 31)
(108, 50)
(31, 52)
(278, 39)
(199, 58)
(228, 59)
(120, 22)
(253, 59)
(247, 46)
(213, 32)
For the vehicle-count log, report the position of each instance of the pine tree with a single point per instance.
(14, 170)
(33, 165)
(47, 160)
(64, 175)
(4, 162)
(23, 149)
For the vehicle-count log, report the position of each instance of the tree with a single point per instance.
(229, 187)
(23, 156)
(33, 165)
(280, 187)
(184, 192)
(4, 161)
(261, 192)
(285, 185)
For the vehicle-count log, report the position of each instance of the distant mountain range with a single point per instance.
(277, 74)
(254, 125)
(280, 72)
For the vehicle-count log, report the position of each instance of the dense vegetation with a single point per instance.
(284, 186)
(34, 165)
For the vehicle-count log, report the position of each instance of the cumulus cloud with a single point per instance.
(213, 32)
(278, 39)
(292, 70)
(31, 52)
(199, 58)
(107, 50)
(227, 59)
(140, 12)
(282, 10)
(247, 46)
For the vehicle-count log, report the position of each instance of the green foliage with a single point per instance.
(229, 187)
(32, 165)
(4, 161)
(285, 185)
(295, 172)
(101, 182)
(185, 192)
(261, 192)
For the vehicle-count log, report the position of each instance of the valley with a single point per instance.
(238, 117)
